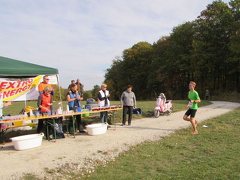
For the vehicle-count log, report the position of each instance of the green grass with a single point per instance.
(212, 154)
(227, 96)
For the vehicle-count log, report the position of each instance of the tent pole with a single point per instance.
(25, 100)
(59, 89)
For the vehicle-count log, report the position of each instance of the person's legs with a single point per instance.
(70, 125)
(125, 109)
(193, 122)
(40, 126)
(191, 113)
(130, 111)
(185, 117)
(60, 126)
(79, 123)
(105, 116)
(102, 117)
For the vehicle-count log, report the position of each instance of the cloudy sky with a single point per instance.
(81, 37)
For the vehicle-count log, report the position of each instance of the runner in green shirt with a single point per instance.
(192, 106)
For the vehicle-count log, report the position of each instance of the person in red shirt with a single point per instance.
(44, 103)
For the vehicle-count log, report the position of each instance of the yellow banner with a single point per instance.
(19, 90)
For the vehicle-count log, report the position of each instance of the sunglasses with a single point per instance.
(190, 85)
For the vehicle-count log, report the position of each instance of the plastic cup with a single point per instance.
(78, 109)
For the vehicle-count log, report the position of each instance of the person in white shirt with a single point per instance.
(103, 100)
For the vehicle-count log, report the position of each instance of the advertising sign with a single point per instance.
(20, 90)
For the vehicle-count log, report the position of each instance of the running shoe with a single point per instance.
(194, 132)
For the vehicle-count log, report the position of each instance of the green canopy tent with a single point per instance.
(11, 68)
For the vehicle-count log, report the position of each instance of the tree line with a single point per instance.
(206, 50)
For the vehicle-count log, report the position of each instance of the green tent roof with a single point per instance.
(15, 68)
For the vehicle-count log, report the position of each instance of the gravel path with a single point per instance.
(84, 150)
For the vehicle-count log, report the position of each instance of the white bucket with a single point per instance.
(96, 129)
(27, 141)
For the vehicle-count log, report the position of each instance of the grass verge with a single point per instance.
(212, 154)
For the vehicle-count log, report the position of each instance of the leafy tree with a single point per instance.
(95, 90)
(114, 78)
(180, 59)
(57, 95)
(211, 44)
(234, 59)
(132, 69)
(87, 94)
(157, 76)
(173, 61)
(137, 62)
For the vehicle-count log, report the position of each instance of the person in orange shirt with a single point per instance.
(44, 84)
(44, 103)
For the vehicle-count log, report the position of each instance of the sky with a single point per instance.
(81, 38)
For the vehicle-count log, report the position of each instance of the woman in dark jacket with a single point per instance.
(74, 98)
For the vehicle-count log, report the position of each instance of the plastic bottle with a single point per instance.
(27, 121)
(31, 114)
(25, 115)
(60, 110)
